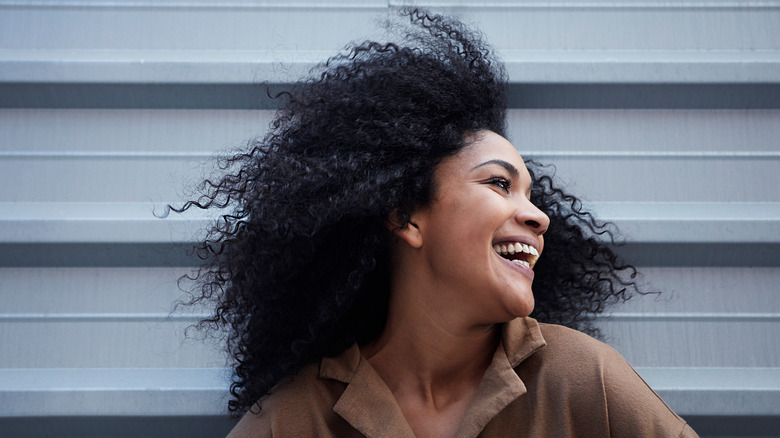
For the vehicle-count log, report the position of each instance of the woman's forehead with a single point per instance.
(486, 148)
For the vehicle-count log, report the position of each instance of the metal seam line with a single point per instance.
(558, 154)
(162, 317)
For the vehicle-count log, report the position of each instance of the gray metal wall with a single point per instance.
(664, 116)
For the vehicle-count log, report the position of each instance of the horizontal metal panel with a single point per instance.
(122, 391)
(111, 222)
(251, 96)
(228, 67)
(197, 66)
(209, 426)
(676, 222)
(129, 96)
(590, 4)
(717, 391)
(115, 55)
(521, 4)
(162, 178)
(80, 317)
(220, 28)
(692, 254)
(670, 179)
(89, 222)
(685, 291)
(507, 26)
(700, 291)
(197, 4)
(546, 134)
(732, 342)
(110, 343)
(708, 134)
(53, 291)
(105, 179)
(73, 132)
(106, 254)
(626, 28)
(112, 254)
(644, 96)
(728, 340)
(129, 234)
(637, 66)
(95, 426)
(158, 392)
(703, 317)
(100, 247)
(707, 317)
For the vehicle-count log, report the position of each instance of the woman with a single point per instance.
(375, 270)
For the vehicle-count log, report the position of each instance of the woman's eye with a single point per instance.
(503, 183)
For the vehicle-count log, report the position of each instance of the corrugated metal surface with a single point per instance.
(664, 116)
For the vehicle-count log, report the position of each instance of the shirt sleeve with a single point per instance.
(633, 408)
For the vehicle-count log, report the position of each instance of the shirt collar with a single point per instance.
(500, 385)
(367, 403)
(521, 338)
(369, 406)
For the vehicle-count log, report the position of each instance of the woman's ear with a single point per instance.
(409, 233)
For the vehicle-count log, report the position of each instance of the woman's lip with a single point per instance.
(528, 272)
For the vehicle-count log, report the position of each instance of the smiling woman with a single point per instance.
(385, 249)
(445, 256)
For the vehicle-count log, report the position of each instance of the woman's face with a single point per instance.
(481, 235)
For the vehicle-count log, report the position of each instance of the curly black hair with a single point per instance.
(298, 267)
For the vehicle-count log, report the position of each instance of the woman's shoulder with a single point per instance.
(592, 375)
(571, 356)
(559, 334)
(566, 343)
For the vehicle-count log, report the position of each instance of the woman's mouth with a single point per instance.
(517, 252)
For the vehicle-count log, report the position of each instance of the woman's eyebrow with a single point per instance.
(506, 165)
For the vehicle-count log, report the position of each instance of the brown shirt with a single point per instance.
(544, 381)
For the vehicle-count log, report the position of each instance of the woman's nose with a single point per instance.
(530, 215)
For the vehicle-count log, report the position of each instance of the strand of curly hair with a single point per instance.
(298, 268)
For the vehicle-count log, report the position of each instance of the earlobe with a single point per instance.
(409, 233)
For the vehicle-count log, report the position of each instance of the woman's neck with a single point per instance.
(425, 355)
(433, 369)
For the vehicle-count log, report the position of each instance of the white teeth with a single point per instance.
(515, 248)
(522, 262)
